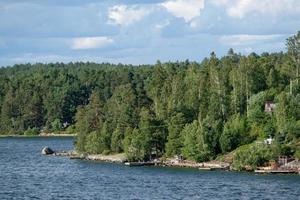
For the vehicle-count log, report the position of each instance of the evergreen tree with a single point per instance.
(117, 140)
(194, 146)
(175, 142)
(199, 110)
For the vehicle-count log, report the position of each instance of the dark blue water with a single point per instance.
(26, 174)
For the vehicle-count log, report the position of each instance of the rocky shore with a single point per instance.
(44, 134)
(116, 158)
(164, 162)
(211, 165)
(72, 154)
(121, 158)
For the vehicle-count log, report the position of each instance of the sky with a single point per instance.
(141, 31)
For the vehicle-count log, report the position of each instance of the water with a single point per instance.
(26, 174)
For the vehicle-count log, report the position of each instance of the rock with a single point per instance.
(118, 158)
(66, 153)
(47, 151)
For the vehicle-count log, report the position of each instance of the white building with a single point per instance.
(269, 140)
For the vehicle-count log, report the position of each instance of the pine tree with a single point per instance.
(175, 142)
(117, 140)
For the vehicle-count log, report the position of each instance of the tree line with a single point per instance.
(198, 110)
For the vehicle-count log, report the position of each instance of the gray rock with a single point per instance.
(47, 151)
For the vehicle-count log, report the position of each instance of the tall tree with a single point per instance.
(175, 142)
(293, 46)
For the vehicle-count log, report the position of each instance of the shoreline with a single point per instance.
(43, 135)
(213, 165)
(72, 154)
(121, 159)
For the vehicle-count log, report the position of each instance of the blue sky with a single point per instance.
(141, 31)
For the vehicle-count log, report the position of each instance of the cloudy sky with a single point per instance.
(141, 31)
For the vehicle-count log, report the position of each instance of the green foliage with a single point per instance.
(281, 112)
(92, 144)
(235, 133)
(56, 125)
(80, 142)
(297, 154)
(269, 127)
(194, 147)
(287, 149)
(199, 110)
(106, 152)
(212, 130)
(31, 131)
(104, 138)
(252, 155)
(174, 144)
(117, 140)
(256, 113)
(137, 146)
(71, 129)
(98, 141)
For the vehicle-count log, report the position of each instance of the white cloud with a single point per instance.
(195, 24)
(242, 8)
(186, 9)
(163, 24)
(241, 40)
(90, 42)
(220, 2)
(125, 15)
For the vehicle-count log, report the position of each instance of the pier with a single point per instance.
(277, 171)
(138, 164)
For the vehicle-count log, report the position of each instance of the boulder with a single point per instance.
(47, 151)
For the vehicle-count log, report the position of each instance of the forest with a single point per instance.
(197, 110)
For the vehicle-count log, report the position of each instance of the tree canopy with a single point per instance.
(198, 110)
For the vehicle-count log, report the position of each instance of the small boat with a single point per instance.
(137, 164)
(205, 168)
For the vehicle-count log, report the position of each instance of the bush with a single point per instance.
(287, 150)
(194, 146)
(234, 134)
(116, 140)
(91, 144)
(71, 129)
(137, 146)
(297, 154)
(256, 112)
(32, 131)
(252, 155)
(106, 152)
(56, 125)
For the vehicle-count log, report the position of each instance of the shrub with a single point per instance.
(194, 145)
(297, 154)
(106, 152)
(31, 131)
(234, 134)
(252, 155)
(71, 129)
(56, 125)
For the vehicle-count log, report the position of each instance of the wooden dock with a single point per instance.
(205, 168)
(277, 171)
(138, 164)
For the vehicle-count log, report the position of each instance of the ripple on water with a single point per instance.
(25, 174)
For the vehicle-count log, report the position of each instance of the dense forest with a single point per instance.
(197, 110)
